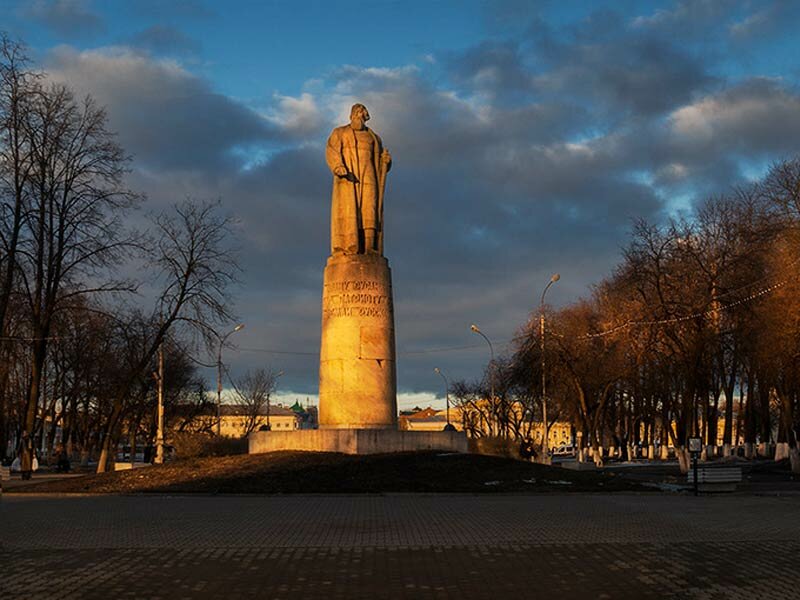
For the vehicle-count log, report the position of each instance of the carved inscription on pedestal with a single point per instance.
(355, 298)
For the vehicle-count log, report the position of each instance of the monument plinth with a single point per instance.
(357, 369)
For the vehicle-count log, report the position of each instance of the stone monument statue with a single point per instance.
(359, 164)
(357, 362)
(357, 372)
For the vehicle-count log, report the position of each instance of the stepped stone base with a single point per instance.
(356, 441)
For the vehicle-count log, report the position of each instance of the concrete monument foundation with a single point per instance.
(356, 441)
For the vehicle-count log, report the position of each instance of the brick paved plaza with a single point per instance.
(403, 546)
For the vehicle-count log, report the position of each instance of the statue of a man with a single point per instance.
(359, 163)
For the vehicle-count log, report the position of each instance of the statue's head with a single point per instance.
(359, 112)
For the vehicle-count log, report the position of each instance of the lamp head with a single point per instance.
(555, 277)
(474, 328)
(239, 327)
(436, 370)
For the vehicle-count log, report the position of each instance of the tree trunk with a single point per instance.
(794, 459)
(4, 404)
(727, 432)
(786, 436)
(683, 459)
(51, 441)
(750, 419)
(781, 451)
(597, 453)
(3, 425)
(132, 443)
(765, 420)
(106, 453)
(711, 424)
(102, 461)
(740, 416)
(763, 450)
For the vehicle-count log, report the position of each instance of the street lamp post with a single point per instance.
(545, 442)
(438, 371)
(222, 340)
(474, 328)
(160, 412)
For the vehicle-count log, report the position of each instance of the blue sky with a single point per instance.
(526, 137)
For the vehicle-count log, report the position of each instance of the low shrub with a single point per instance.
(194, 445)
(495, 446)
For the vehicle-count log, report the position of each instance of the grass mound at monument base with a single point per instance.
(326, 473)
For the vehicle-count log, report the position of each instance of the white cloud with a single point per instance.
(300, 116)
(755, 115)
(408, 400)
(686, 14)
(696, 120)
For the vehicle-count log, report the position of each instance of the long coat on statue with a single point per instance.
(355, 202)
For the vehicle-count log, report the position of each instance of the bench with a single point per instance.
(715, 479)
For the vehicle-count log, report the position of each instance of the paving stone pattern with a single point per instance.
(404, 546)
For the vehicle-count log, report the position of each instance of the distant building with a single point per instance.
(430, 419)
(307, 415)
(559, 434)
(234, 419)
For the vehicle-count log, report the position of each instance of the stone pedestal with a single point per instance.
(357, 370)
(356, 441)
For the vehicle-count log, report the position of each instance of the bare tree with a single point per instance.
(252, 395)
(780, 189)
(17, 85)
(195, 265)
(469, 398)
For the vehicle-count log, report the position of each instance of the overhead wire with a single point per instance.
(672, 320)
(401, 353)
(271, 351)
(435, 350)
(700, 314)
(627, 325)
